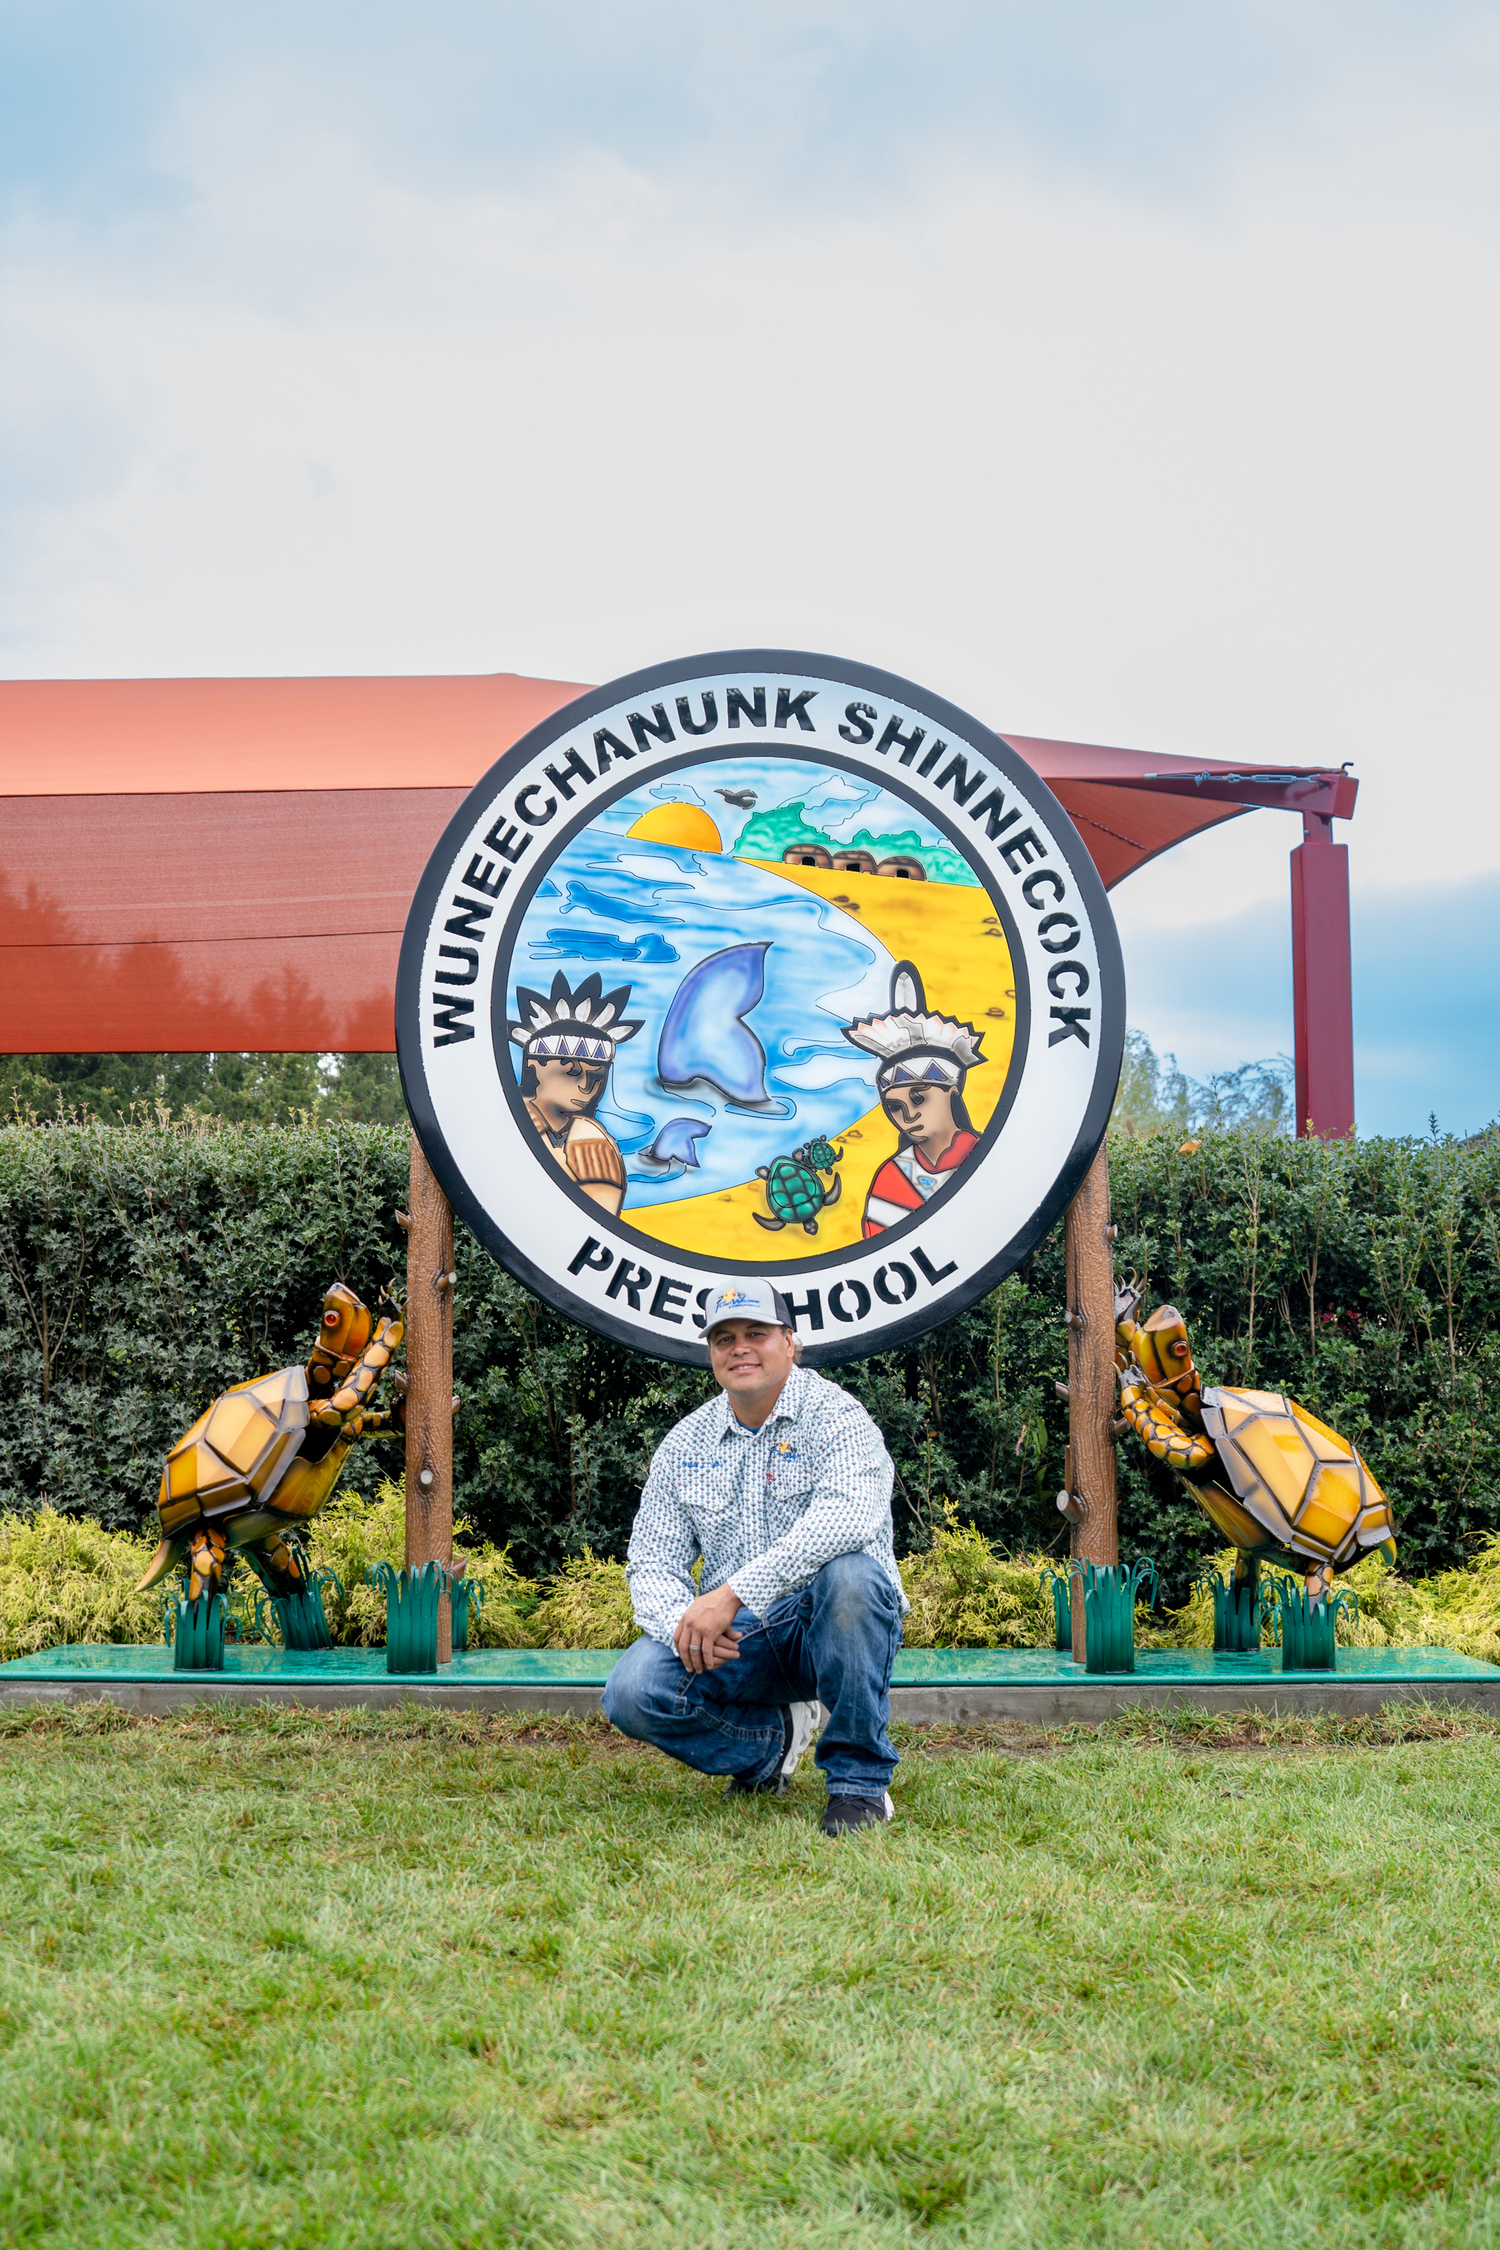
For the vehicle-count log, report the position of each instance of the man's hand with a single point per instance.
(702, 1638)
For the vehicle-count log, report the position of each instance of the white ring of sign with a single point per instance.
(868, 1296)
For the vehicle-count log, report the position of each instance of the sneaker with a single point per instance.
(804, 1722)
(800, 1724)
(845, 1813)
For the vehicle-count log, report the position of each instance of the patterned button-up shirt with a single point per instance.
(766, 1508)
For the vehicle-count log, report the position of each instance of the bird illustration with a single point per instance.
(744, 798)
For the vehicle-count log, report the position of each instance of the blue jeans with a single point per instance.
(836, 1638)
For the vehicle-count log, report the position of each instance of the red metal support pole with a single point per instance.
(1322, 991)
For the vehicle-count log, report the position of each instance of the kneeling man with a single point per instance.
(783, 1486)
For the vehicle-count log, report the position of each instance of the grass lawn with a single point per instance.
(275, 1978)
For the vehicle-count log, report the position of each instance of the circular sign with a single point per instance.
(760, 964)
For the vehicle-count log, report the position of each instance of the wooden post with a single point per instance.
(1091, 1374)
(429, 1393)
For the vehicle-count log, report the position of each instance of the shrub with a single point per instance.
(65, 1579)
(1393, 1612)
(510, 1601)
(586, 1606)
(965, 1595)
(348, 1538)
(1457, 1608)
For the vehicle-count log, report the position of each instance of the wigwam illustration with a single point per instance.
(567, 1040)
(925, 1060)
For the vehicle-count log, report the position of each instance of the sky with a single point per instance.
(1123, 372)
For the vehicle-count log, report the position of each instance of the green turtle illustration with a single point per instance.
(793, 1189)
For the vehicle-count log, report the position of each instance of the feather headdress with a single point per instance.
(915, 1046)
(579, 1023)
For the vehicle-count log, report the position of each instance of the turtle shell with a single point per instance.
(821, 1155)
(236, 1454)
(1301, 1484)
(793, 1190)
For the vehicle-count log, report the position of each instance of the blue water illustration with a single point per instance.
(603, 945)
(820, 970)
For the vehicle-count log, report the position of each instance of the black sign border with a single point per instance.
(785, 663)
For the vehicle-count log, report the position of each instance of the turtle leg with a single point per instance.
(1319, 1582)
(772, 1226)
(362, 1378)
(832, 1194)
(206, 1552)
(1158, 1423)
(298, 1608)
(276, 1564)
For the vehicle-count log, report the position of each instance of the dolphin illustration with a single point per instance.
(703, 1036)
(675, 1143)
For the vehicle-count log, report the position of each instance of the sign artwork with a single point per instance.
(760, 964)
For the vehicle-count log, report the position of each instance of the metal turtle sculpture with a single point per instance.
(794, 1189)
(1270, 1477)
(262, 1460)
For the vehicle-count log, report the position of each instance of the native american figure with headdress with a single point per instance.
(924, 1061)
(567, 1040)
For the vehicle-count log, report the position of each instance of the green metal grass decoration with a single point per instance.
(463, 1591)
(1062, 1608)
(1241, 1607)
(1109, 1596)
(411, 1614)
(301, 1617)
(1309, 1630)
(198, 1638)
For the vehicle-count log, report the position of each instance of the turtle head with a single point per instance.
(1162, 1347)
(343, 1333)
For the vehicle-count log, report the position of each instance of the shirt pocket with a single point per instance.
(790, 1483)
(711, 1503)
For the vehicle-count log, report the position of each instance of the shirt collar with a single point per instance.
(786, 1409)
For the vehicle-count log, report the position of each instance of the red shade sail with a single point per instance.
(200, 865)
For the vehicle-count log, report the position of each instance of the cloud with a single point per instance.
(1122, 374)
(104, 108)
(1426, 1000)
(837, 803)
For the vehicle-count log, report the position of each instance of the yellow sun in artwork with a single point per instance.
(686, 825)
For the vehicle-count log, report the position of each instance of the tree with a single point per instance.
(244, 1089)
(1156, 1097)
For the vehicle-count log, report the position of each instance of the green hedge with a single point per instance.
(144, 1267)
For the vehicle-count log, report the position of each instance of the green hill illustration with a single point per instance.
(767, 835)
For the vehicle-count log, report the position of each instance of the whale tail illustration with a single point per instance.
(704, 1036)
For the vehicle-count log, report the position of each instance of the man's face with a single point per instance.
(922, 1113)
(749, 1358)
(569, 1087)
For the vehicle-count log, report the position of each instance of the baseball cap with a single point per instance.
(747, 1300)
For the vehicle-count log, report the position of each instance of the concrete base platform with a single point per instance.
(954, 1687)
